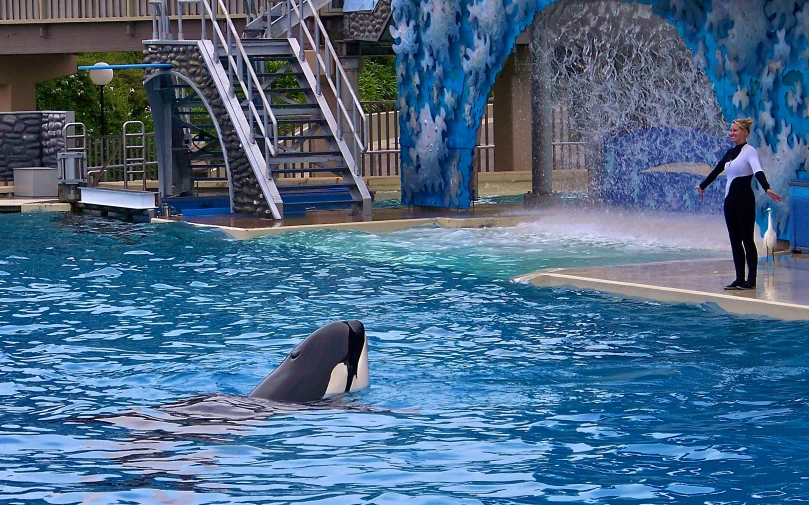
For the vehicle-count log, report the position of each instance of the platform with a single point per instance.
(21, 204)
(782, 291)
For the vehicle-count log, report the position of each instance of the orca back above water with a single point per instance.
(330, 361)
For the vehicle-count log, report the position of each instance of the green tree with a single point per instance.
(124, 98)
(377, 79)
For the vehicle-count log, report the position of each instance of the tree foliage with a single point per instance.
(378, 79)
(124, 97)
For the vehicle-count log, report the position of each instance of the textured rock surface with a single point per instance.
(368, 25)
(30, 139)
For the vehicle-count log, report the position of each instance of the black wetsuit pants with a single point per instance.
(740, 218)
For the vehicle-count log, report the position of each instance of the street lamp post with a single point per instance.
(101, 78)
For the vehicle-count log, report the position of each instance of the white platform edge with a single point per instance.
(122, 199)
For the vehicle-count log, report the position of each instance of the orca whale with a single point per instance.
(330, 361)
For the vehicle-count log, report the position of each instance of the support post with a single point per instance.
(541, 116)
(512, 114)
(103, 119)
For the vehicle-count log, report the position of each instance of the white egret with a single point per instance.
(770, 238)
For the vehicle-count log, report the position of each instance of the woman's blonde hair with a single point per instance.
(744, 123)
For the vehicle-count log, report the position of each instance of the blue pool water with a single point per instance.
(482, 390)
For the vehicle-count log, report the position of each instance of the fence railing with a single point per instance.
(105, 157)
(567, 153)
(88, 10)
(382, 156)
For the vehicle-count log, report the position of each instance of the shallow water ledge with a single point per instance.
(376, 226)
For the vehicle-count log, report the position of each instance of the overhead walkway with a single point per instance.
(40, 38)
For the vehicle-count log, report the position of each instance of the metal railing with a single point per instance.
(134, 146)
(92, 10)
(327, 63)
(567, 153)
(106, 158)
(240, 72)
(380, 159)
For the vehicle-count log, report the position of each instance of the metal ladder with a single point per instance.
(134, 153)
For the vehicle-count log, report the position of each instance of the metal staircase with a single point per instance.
(304, 152)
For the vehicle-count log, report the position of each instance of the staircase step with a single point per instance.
(293, 120)
(301, 137)
(302, 188)
(307, 157)
(336, 170)
(306, 136)
(277, 74)
(294, 109)
(286, 90)
(266, 47)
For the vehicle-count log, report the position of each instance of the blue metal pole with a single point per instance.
(122, 67)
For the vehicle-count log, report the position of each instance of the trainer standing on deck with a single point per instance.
(741, 163)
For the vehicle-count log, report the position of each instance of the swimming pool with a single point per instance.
(482, 390)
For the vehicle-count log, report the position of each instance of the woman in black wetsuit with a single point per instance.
(741, 163)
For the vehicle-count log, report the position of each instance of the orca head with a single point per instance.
(332, 360)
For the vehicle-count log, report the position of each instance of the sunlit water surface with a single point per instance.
(483, 390)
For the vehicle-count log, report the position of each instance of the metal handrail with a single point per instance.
(160, 20)
(240, 63)
(67, 137)
(332, 62)
(136, 136)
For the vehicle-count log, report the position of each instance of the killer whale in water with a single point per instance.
(330, 361)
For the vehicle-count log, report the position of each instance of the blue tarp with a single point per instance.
(359, 5)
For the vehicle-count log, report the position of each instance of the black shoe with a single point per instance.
(747, 285)
(734, 285)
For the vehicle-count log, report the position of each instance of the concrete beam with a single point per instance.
(88, 36)
(19, 76)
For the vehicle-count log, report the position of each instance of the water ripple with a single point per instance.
(483, 391)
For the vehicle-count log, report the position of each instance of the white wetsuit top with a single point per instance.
(741, 163)
(745, 164)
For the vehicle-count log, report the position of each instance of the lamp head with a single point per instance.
(101, 77)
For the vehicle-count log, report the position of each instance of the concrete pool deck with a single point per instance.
(21, 205)
(782, 290)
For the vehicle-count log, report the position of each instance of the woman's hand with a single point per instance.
(775, 196)
(702, 191)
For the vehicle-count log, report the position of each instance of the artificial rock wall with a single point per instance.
(187, 61)
(30, 139)
(368, 25)
(449, 52)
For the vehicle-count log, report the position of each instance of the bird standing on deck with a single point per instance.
(770, 238)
